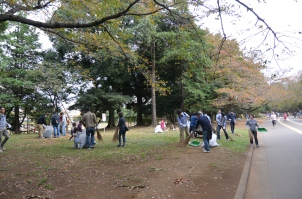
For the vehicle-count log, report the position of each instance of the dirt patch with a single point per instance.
(182, 173)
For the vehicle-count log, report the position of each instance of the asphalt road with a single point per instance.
(276, 166)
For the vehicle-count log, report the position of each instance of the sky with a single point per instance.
(284, 17)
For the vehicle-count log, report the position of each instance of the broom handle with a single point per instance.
(66, 111)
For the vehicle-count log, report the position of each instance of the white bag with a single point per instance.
(212, 142)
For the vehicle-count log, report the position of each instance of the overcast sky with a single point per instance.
(284, 17)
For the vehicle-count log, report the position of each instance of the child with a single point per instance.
(72, 130)
(77, 142)
(80, 126)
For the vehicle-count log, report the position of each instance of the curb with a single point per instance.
(240, 193)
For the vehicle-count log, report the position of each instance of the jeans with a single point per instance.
(122, 134)
(90, 137)
(205, 140)
(5, 134)
(218, 131)
(56, 129)
(64, 129)
(232, 126)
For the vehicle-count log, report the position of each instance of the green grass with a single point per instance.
(140, 142)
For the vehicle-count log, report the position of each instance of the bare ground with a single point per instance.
(186, 173)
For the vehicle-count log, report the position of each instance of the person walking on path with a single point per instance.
(274, 119)
(3, 129)
(218, 121)
(122, 130)
(206, 129)
(90, 123)
(252, 124)
(41, 124)
(285, 117)
(55, 121)
(232, 119)
(182, 120)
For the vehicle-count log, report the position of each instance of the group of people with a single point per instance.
(203, 120)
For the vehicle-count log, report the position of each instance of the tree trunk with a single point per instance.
(111, 122)
(139, 103)
(17, 123)
(153, 86)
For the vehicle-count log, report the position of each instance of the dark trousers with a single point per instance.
(122, 134)
(218, 132)
(232, 126)
(255, 137)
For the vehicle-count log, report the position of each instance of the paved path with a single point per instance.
(276, 166)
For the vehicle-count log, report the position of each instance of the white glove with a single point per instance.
(9, 126)
(43, 125)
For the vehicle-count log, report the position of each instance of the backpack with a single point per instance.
(55, 120)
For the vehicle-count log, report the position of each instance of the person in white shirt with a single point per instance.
(274, 118)
(63, 122)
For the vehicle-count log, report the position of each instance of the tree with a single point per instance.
(18, 79)
(86, 14)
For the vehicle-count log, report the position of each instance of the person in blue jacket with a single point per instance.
(206, 129)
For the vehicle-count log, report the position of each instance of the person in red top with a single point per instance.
(162, 124)
(285, 116)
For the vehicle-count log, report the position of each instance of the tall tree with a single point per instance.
(20, 59)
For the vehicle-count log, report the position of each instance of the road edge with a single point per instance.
(240, 193)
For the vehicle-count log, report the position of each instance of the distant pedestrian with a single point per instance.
(285, 117)
(55, 122)
(3, 129)
(274, 119)
(232, 119)
(182, 120)
(41, 124)
(122, 130)
(252, 124)
(89, 121)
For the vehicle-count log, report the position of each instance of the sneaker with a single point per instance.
(119, 145)
(92, 147)
(123, 145)
(88, 148)
(257, 145)
(3, 148)
(205, 151)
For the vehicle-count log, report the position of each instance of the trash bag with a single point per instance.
(212, 142)
(48, 132)
(81, 138)
(158, 129)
